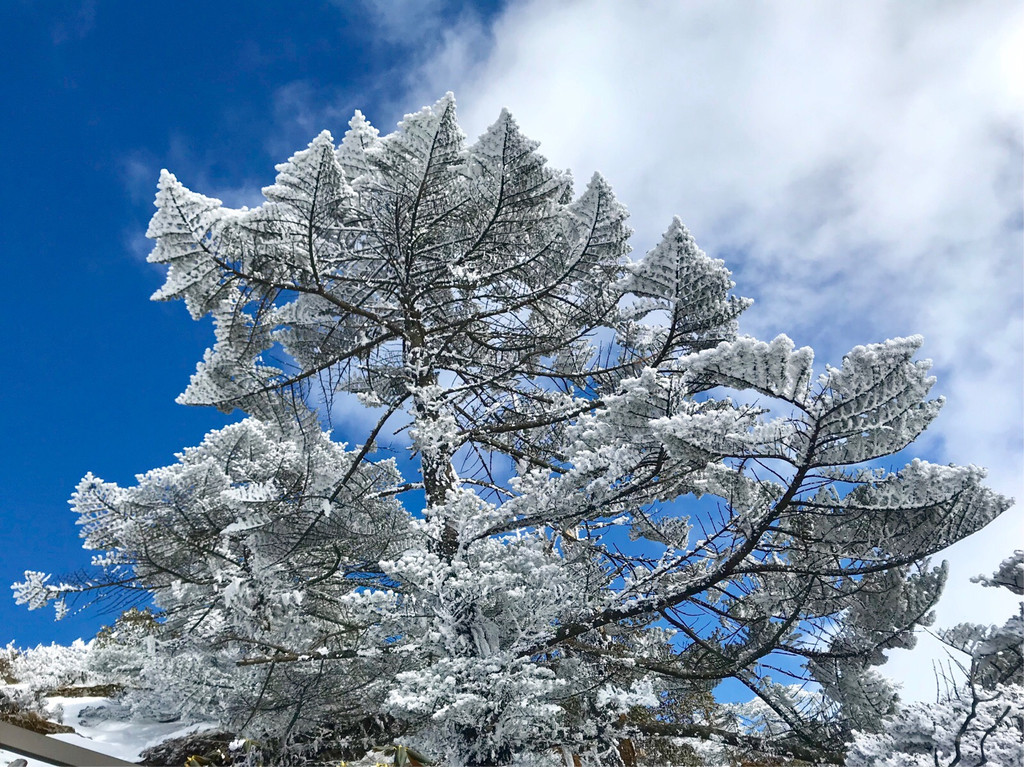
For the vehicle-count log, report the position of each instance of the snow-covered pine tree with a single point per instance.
(594, 526)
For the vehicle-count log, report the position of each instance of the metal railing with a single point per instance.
(36, 746)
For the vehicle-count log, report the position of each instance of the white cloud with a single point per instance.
(858, 165)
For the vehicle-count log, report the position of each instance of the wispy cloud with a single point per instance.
(858, 166)
(402, 22)
(420, 47)
(139, 171)
(301, 110)
(75, 24)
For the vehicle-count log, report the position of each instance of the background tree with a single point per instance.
(979, 718)
(561, 403)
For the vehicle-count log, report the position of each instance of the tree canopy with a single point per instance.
(616, 500)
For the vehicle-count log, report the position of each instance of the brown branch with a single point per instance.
(761, 745)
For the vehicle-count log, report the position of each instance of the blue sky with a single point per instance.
(99, 97)
(857, 165)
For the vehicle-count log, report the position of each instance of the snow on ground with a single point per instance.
(118, 738)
